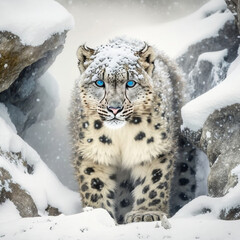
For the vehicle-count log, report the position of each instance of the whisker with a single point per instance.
(102, 110)
(104, 113)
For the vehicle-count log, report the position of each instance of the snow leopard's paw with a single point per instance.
(143, 216)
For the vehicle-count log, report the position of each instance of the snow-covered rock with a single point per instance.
(206, 62)
(196, 112)
(211, 119)
(219, 139)
(234, 7)
(26, 181)
(32, 34)
(32, 21)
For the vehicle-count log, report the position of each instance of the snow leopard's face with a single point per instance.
(115, 85)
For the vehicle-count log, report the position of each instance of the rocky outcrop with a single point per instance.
(13, 191)
(16, 57)
(201, 71)
(234, 7)
(230, 214)
(20, 198)
(29, 44)
(205, 65)
(20, 67)
(219, 139)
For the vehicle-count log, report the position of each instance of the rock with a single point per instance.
(219, 139)
(201, 72)
(234, 7)
(16, 57)
(208, 72)
(20, 67)
(52, 211)
(37, 106)
(230, 214)
(205, 65)
(11, 190)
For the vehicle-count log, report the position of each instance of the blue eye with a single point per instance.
(100, 83)
(131, 83)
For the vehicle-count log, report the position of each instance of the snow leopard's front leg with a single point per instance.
(152, 189)
(97, 185)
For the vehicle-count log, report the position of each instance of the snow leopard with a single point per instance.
(125, 124)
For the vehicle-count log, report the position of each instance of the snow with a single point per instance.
(9, 212)
(165, 222)
(4, 115)
(114, 55)
(34, 21)
(213, 57)
(42, 184)
(208, 134)
(176, 36)
(49, 83)
(196, 112)
(189, 224)
(236, 172)
(214, 205)
(202, 172)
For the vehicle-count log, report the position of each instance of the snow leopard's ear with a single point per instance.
(84, 54)
(146, 58)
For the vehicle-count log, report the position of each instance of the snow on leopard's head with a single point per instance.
(116, 80)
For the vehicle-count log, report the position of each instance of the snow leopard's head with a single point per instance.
(116, 80)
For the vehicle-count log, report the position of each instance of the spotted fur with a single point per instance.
(126, 169)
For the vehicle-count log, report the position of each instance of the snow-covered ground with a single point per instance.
(188, 224)
(197, 220)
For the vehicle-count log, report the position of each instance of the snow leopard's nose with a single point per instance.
(115, 110)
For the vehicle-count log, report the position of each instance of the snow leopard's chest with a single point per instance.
(140, 140)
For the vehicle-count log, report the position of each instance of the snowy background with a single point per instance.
(172, 26)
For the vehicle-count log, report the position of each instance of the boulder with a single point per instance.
(201, 70)
(234, 7)
(12, 191)
(205, 65)
(230, 214)
(219, 139)
(20, 67)
(20, 61)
